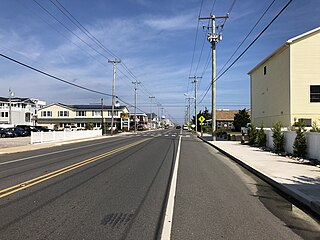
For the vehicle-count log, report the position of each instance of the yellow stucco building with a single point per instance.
(285, 86)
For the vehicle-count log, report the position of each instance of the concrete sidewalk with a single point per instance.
(299, 180)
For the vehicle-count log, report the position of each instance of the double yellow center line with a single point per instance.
(16, 188)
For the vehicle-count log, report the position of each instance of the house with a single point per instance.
(141, 120)
(225, 118)
(60, 115)
(153, 120)
(285, 86)
(19, 111)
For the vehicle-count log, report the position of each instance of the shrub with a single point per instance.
(315, 128)
(278, 137)
(300, 143)
(252, 134)
(262, 137)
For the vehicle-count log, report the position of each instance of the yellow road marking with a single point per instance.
(10, 190)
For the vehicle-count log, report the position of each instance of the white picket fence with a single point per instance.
(56, 136)
(313, 142)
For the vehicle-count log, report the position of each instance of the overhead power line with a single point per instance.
(54, 77)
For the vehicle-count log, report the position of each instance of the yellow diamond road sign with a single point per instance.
(201, 119)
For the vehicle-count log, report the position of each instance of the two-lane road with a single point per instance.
(106, 189)
(117, 188)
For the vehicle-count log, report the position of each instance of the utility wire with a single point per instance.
(93, 38)
(54, 77)
(259, 35)
(246, 37)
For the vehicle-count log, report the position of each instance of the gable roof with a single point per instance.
(286, 45)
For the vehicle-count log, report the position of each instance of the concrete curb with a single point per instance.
(291, 195)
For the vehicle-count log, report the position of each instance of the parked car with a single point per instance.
(4, 132)
(70, 128)
(18, 132)
(185, 127)
(28, 129)
(43, 129)
(178, 127)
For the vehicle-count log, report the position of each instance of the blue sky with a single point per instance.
(154, 39)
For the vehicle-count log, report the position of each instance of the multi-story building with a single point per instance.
(285, 86)
(19, 111)
(141, 120)
(59, 115)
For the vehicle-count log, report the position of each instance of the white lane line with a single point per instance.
(166, 135)
(167, 224)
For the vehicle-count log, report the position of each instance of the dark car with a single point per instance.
(178, 127)
(4, 132)
(28, 129)
(42, 129)
(140, 128)
(18, 132)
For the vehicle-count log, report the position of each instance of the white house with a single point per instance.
(19, 111)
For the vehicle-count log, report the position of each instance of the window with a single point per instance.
(6, 114)
(96, 113)
(264, 70)
(46, 114)
(315, 93)
(81, 113)
(63, 114)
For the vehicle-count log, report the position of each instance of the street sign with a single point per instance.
(201, 119)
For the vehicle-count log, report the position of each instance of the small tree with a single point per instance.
(252, 134)
(262, 137)
(300, 142)
(278, 137)
(241, 119)
(315, 128)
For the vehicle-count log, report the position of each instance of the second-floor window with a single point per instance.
(63, 114)
(315, 93)
(96, 113)
(81, 113)
(4, 114)
(46, 114)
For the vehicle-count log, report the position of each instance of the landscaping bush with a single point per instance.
(278, 137)
(315, 128)
(262, 137)
(300, 142)
(252, 134)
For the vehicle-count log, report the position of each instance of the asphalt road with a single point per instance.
(117, 188)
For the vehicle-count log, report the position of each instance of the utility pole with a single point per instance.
(159, 105)
(151, 115)
(195, 80)
(135, 103)
(10, 110)
(102, 121)
(189, 98)
(114, 62)
(213, 38)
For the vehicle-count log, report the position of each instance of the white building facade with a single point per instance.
(19, 111)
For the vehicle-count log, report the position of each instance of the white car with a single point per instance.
(185, 127)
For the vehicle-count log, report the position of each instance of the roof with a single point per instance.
(93, 107)
(226, 114)
(85, 107)
(286, 45)
(16, 99)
